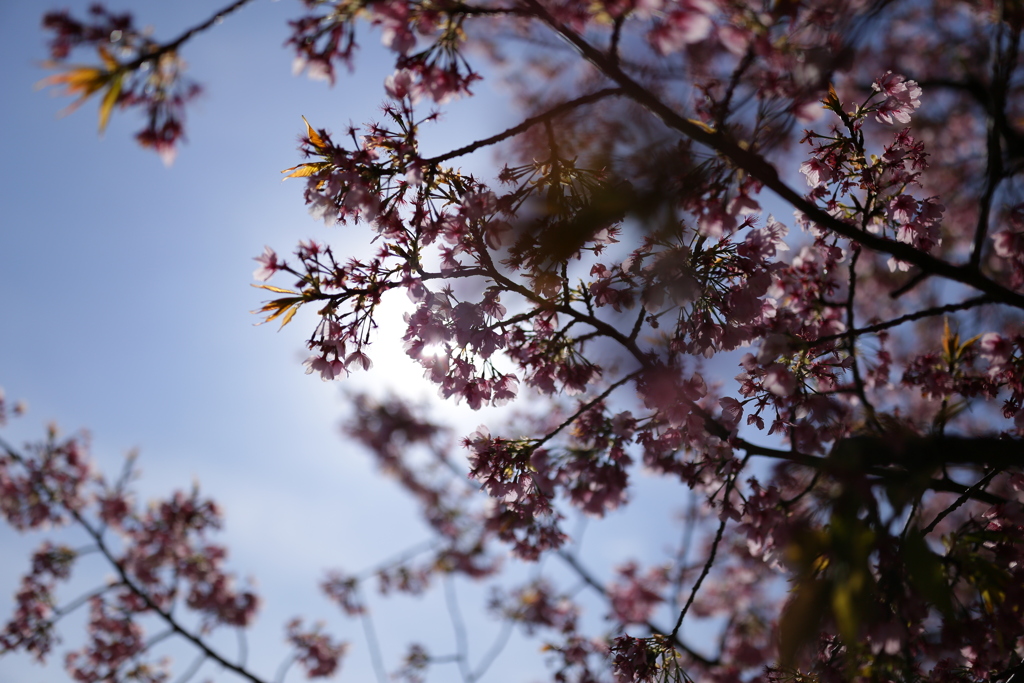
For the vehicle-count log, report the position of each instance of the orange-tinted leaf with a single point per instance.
(279, 308)
(108, 59)
(950, 341)
(314, 137)
(305, 170)
(81, 79)
(831, 100)
(702, 125)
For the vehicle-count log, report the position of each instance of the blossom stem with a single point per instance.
(82, 599)
(496, 649)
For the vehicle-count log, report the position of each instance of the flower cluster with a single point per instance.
(317, 654)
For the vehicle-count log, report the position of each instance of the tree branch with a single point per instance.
(758, 167)
(917, 315)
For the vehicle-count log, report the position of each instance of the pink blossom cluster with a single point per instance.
(537, 606)
(1008, 245)
(315, 651)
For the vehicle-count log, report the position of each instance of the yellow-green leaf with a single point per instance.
(952, 349)
(275, 289)
(109, 100)
(289, 315)
(801, 619)
(926, 572)
(849, 602)
(966, 344)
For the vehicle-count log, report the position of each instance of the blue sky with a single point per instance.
(127, 299)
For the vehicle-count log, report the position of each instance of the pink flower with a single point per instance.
(268, 265)
(399, 84)
(902, 208)
(328, 369)
(624, 425)
(716, 222)
(686, 24)
(816, 171)
(634, 597)
(505, 389)
(903, 98)
(779, 380)
(358, 358)
(995, 347)
(732, 410)
(1009, 244)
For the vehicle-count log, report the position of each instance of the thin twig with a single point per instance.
(851, 343)
(714, 551)
(372, 643)
(689, 525)
(584, 408)
(492, 654)
(193, 668)
(215, 19)
(81, 600)
(161, 50)
(527, 124)
(459, 626)
(243, 646)
(982, 483)
(283, 667)
(910, 317)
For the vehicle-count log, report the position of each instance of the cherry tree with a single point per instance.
(770, 252)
